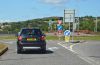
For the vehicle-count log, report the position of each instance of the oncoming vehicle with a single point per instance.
(29, 38)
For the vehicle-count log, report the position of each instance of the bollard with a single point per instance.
(67, 38)
(67, 34)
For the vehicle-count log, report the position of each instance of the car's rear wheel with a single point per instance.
(43, 49)
(19, 50)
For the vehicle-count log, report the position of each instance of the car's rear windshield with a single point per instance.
(31, 32)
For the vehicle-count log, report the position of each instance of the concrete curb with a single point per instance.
(3, 50)
(78, 41)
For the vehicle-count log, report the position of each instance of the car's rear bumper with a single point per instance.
(32, 44)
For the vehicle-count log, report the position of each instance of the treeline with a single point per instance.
(85, 23)
(89, 23)
(14, 27)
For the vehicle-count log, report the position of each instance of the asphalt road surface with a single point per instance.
(90, 50)
(55, 55)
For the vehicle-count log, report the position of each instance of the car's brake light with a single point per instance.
(42, 38)
(20, 38)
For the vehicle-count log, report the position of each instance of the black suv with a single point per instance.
(31, 38)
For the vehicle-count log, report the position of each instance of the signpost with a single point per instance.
(69, 16)
(59, 28)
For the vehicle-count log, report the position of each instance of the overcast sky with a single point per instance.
(18, 10)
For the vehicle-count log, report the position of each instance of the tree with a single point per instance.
(98, 28)
(87, 25)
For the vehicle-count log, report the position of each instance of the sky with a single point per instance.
(21, 10)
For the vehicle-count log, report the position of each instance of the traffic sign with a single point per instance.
(59, 21)
(67, 33)
(69, 15)
(59, 27)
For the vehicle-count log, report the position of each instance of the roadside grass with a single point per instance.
(52, 38)
(95, 38)
(1, 46)
(7, 37)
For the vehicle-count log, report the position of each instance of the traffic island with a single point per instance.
(3, 48)
(76, 41)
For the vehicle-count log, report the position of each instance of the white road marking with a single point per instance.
(68, 48)
(15, 49)
(53, 48)
(87, 59)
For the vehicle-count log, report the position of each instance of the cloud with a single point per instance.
(58, 2)
(55, 2)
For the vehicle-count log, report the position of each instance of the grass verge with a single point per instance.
(95, 38)
(7, 37)
(3, 48)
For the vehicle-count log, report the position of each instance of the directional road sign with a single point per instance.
(67, 33)
(59, 27)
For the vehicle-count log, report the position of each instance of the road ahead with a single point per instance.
(55, 55)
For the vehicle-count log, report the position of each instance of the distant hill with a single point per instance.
(13, 27)
(53, 18)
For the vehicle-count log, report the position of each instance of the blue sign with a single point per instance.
(59, 27)
(67, 33)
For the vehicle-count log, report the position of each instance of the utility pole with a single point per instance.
(96, 24)
(69, 22)
(78, 23)
(73, 26)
